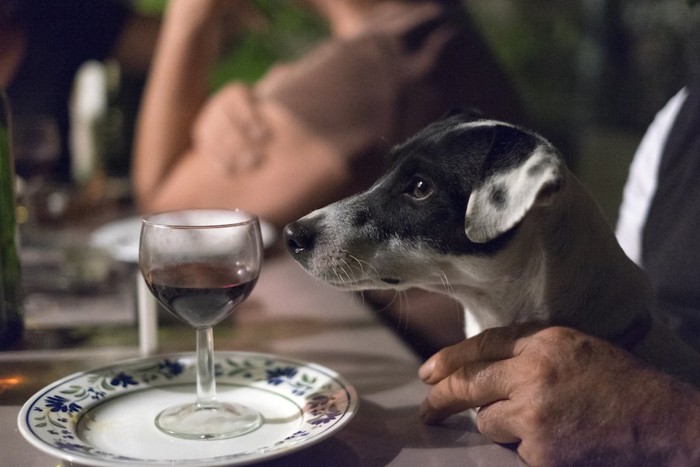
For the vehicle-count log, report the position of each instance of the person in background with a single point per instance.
(660, 212)
(310, 131)
(44, 42)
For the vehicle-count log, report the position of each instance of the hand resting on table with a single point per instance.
(565, 398)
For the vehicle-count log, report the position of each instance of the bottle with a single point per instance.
(11, 294)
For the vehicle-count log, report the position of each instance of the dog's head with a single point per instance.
(458, 188)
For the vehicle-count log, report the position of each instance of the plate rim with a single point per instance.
(83, 459)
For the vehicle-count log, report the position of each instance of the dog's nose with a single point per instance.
(300, 238)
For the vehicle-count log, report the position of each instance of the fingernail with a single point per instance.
(426, 370)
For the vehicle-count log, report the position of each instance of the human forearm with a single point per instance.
(678, 440)
(176, 88)
(646, 419)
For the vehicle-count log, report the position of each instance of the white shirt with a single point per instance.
(641, 182)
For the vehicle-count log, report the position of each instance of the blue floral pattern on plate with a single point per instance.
(49, 420)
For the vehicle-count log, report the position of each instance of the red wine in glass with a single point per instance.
(201, 294)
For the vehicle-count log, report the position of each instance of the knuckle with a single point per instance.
(479, 377)
(458, 384)
(492, 341)
(487, 423)
(533, 418)
(546, 373)
(449, 359)
(558, 334)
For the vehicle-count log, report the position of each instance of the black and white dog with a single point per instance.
(488, 212)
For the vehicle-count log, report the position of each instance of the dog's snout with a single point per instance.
(300, 238)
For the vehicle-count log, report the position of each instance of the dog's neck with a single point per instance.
(591, 284)
(563, 266)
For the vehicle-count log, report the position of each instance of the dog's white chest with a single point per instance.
(475, 322)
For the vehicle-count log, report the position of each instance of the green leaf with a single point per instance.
(55, 423)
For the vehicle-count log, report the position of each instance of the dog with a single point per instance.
(488, 213)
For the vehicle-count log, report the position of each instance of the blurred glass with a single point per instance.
(37, 146)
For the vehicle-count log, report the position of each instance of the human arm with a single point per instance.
(195, 151)
(566, 398)
(177, 87)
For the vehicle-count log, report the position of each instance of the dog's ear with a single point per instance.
(520, 171)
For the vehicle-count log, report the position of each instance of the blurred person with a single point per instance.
(660, 211)
(44, 43)
(310, 131)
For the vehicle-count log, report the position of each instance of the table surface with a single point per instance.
(289, 314)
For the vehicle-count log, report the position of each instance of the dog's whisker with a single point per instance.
(361, 294)
(442, 276)
(345, 270)
(357, 268)
(348, 268)
(405, 305)
(450, 291)
(361, 264)
(331, 274)
(446, 283)
(346, 275)
(397, 319)
(374, 270)
(398, 297)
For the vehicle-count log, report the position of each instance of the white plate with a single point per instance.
(121, 238)
(105, 417)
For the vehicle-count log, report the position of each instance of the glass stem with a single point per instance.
(206, 384)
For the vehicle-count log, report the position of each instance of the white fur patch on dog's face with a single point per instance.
(503, 199)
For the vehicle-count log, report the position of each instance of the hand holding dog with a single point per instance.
(565, 397)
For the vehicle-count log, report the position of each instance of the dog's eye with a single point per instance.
(420, 189)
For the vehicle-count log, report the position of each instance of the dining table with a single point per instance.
(87, 313)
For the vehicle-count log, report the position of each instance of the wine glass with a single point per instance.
(37, 146)
(200, 265)
(37, 143)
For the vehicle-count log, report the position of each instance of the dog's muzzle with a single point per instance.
(319, 246)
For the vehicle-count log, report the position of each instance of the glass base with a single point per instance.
(212, 421)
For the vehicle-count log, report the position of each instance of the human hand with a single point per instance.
(230, 130)
(565, 397)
